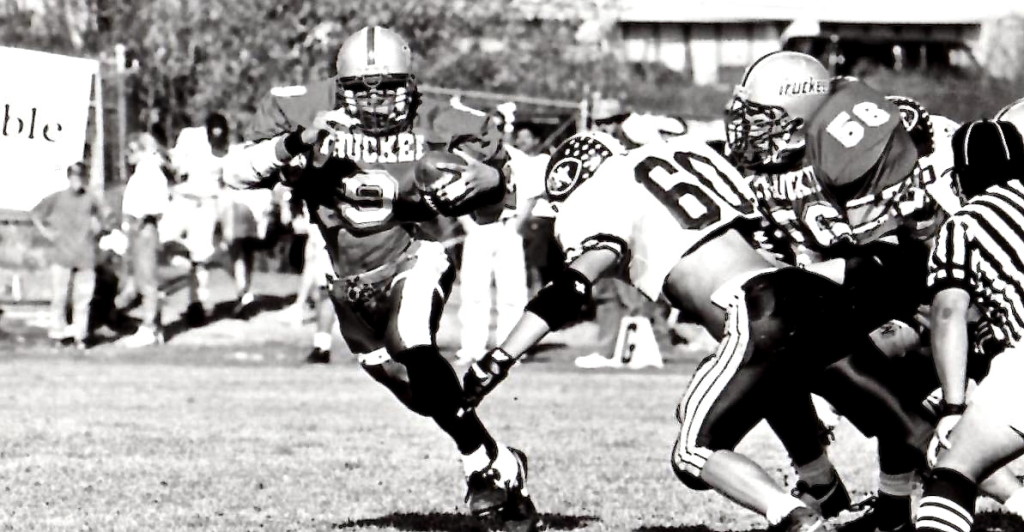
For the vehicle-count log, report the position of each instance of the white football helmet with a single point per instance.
(575, 160)
(777, 95)
(375, 81)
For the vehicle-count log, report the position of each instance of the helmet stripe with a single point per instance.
(754, 64)
(371, 46)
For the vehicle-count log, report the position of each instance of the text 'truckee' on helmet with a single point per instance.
(376, 85)
(777, 95)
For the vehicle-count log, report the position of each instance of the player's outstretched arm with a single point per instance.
(257, 164)
(949, 348)
(562, 302)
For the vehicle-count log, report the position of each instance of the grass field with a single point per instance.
(223, 429)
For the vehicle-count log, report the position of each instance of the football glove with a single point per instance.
(485, 375)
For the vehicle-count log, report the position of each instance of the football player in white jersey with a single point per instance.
(670, 217)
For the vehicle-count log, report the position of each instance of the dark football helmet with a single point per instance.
(917, 121)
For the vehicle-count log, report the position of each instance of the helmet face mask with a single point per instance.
(381, 104)
(375, 81)
(778, 95)
(762, 136)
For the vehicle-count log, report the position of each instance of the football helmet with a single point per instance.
(575, 160)
(917, 121)
(985, 153)
(1014, 114)
(375, 81)
(777, 95)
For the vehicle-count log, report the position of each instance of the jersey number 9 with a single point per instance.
(369, 199)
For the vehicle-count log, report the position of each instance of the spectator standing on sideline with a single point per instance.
(72, 220)
(318, 273)
(544, 257)
(200, 170)
(494, 251)
(146, 199)
(244, 218)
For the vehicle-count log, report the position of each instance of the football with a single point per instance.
(430, 179)
(427, 173)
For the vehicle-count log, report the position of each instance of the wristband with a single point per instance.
(946, 409)
(293, 143)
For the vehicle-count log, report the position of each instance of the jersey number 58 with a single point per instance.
(850, 131)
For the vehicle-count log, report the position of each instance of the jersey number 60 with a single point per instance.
(687, 190)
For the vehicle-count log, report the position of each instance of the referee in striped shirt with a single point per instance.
(978, 258)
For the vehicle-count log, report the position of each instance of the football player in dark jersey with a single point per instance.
(849, 175)
(350, 147)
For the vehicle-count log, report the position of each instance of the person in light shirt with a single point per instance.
(198, 156)
(146, 199)
(494, 251)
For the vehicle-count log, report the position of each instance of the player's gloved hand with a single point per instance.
(940, 441)
(473, 178)
(317, 139)
(484, 376)
(983, 339)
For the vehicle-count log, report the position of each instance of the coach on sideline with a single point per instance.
(977, 260)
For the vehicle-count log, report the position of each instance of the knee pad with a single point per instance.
(435, 388)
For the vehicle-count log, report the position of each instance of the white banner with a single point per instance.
(44, 113)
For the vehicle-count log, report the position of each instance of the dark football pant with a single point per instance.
(398, 309)
(788, 333)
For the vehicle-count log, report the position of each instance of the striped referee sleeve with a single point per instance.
(949, 263)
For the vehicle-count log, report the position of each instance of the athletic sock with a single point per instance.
(948, 502)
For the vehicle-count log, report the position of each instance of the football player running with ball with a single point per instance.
(352, 147)
(671, 217)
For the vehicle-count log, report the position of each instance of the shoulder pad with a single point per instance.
(849, 134)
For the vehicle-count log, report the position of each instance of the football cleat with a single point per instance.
(828, 499)
(885, 514)
(802, 520)
(502, 504)
(318, 356)
(196, 315)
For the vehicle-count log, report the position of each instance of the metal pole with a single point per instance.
(97, 177)
(122, 111)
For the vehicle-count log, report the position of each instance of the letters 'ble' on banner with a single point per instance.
(44, 113)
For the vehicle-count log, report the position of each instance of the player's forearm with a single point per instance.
(255, 165)
(949, 347)
(530, 330)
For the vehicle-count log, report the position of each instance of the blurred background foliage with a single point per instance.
(189, 57)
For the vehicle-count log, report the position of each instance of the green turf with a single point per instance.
(223, 429)
(112, 444)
